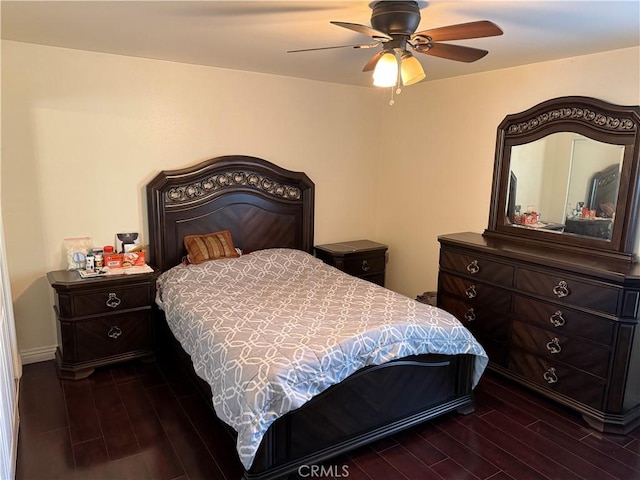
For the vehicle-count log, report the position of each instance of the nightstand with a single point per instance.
(360, 258)
(101, 321)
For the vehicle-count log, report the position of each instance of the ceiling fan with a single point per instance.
(393, 25)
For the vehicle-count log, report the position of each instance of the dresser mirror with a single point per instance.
(566, 172)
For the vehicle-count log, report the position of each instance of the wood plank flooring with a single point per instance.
(147, 421)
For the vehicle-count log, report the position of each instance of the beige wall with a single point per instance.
(440, 163)
(82, 133)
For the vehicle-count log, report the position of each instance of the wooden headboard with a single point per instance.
(604, 189)
(261, 204)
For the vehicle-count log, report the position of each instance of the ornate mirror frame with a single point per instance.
(592, 118)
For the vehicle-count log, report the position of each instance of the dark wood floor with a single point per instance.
(146, 421)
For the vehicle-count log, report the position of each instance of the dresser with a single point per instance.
(564, 324)
(101, 321)
(361, 258)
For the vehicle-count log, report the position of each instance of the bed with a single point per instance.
(268, 212)
(602, 196)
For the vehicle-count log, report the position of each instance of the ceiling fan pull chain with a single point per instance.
(399, 80)
(398, 84)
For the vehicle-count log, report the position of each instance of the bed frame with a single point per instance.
(265, 206)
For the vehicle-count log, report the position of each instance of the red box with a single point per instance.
(113, 260)
(133, 259)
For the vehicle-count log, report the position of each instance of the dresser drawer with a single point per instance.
(572, 325)
(359, 265)
(478, 267)
(479, 319)
(563, 320)
(573, 383)
(576, 352)
(104, 337)
(569, 290)
(476, 293)
(490, 328)
(118, 298)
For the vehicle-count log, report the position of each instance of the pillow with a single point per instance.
(211, 246)
(608, 209)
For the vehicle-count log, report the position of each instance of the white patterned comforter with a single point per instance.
(270, 330)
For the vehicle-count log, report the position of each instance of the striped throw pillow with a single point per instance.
(211, 246)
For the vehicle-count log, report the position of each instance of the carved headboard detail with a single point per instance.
(262, 204)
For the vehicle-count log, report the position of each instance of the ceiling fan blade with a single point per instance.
(364, 45)
(371, 64)
(462, 31)
(372, 32)
(452, 52)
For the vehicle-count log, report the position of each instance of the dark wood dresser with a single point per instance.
(564, 324)
(101, 321)
(360, 258)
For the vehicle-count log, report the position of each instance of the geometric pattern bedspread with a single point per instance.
(272, 329)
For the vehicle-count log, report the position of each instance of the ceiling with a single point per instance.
(255, 35)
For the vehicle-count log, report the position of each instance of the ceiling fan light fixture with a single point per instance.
(411, 70)
(386, 72)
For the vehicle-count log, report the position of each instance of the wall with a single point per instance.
(439, 162)
(525, 164)
(83, 132)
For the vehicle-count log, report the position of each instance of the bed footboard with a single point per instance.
(373, 403)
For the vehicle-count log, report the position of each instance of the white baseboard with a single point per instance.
(39, 354)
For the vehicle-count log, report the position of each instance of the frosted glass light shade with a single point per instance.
(386, 72)
(411, 70)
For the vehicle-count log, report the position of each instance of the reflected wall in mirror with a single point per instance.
(566, 172)
(565, 183)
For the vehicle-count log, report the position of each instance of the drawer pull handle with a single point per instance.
(550, 376)
(114, 332)
(561, 290)
(113, 301)
(557, 320)
(554, 346)
(473, 267)
(365, 266)
(471, 292)
(470, 315)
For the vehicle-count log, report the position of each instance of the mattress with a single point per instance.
(272, 329)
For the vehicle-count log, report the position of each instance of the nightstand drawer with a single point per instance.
(113, 335)
(102, 321)
(108, 300)
(364, 264)
(360, 258)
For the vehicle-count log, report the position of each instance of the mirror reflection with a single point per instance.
(564, 183)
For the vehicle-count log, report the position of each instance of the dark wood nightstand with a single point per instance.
(360, 258)
(101, 320)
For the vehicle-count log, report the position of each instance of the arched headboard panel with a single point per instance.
(262, 204)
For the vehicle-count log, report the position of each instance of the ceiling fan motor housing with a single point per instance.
(394, 25)
(396, 18)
